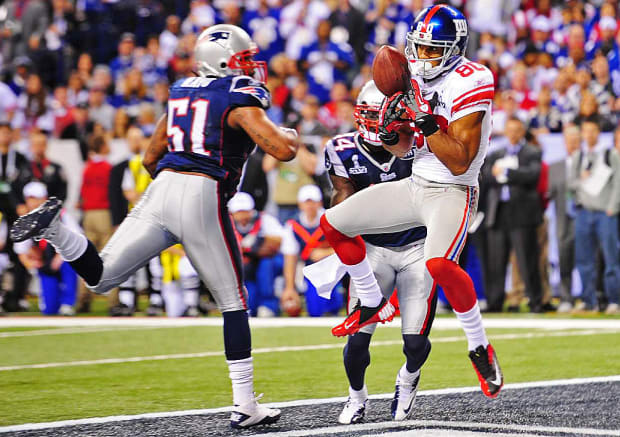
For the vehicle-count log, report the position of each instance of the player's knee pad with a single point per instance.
(350, 250)
(416, 348)
(456, 283)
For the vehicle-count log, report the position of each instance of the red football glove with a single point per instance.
(420, 110)
(392, 116)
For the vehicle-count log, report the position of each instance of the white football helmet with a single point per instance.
(366, 113)
(227, 50)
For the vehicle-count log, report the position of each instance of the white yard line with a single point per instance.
(304, 402)
(525, 322)
(441, 424)
(293, 349)
(76, 330)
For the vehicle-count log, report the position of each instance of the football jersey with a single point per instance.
(468, 88)
(347, 158)
(199, 139)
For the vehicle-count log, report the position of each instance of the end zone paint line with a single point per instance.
(524, 322)
(76, 330)
(409, 424)
(305, 402)
(292, 349)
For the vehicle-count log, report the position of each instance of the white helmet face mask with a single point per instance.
(227, 50)
(366, 113)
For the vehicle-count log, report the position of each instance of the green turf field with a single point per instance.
(69, 392)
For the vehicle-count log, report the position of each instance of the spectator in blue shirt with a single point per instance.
(124, 61)
(325, 62)
(263, 26)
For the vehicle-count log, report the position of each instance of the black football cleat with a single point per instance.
(35, 223)
(362, 316)
(487, 368)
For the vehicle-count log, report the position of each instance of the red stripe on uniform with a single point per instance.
(458, 234)
(230, 251)
(429, 304)
(471, 105)
(483, 95)
(474, 91)
(430, 14)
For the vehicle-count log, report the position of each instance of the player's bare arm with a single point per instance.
(264, 132)
(343, 188)
(458, 147)
(158, 146)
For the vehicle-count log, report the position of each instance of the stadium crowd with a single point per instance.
(97, 71)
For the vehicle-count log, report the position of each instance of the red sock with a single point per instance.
(456, 283)
(350, 250)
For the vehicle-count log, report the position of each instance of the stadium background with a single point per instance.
(77, 70)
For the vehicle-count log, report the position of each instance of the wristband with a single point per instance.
(427, 124)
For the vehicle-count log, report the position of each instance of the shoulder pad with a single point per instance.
(246, 91)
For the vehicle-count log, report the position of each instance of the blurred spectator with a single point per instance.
(125, 59)
(85, 68)
(263, 25)
(133, 93)
(63, 115)
(169, 38)
(76, 89)
(201, 15)
(350, 22)
(574, 51)
(8, 102)
(304, 244)
(151, 63)
(298, 24)
(34, 107)
(594, 177)
(43, 170)
(81, 128)
(545, 118)
(23, 26)
(99, 110)
(602, 89)
(95, 204)
(513, 212)
(564, 207)
(292, 108)
(57, 278)
(121, 124)
(160, 98)
(259, 235)
(325, 62)
(102, 78)
(22, 66)
(14, 174)
(588, 108)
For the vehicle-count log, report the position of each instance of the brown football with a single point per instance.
(390, 71)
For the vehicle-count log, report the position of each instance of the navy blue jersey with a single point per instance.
(347, 158)
(199, 139)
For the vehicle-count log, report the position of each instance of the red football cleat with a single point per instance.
(362, 316)
(487, 368)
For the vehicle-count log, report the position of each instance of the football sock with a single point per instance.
(356, 357)
(471, 322)
(366, 286)
(416, 348)
(173, 298)
(406, 376)
(237, 339)
(359, 395)
(88, 265)
(456, 283)
(241, 375)
(127, 296)
(68, 243)
(191, 297)
(155, 298)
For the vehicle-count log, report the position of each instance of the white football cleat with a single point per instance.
(404, 398)
(253, 413)
(355, 408)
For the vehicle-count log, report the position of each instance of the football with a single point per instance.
(390, 71)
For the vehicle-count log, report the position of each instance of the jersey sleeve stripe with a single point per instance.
(476, 98)
(488, 87)
(483, 104)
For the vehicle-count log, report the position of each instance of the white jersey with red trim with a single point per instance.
(468, 88)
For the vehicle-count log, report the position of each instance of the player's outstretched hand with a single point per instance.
(392, 116)
(420, 110)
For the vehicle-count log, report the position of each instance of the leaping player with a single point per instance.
(450, 136)
(196, 156)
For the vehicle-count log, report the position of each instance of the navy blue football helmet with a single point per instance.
(437, 26)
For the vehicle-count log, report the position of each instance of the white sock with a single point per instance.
(471, 322)
(366, 286)
(190, 297)
(406, 376)
(69, 244)
(241, 374)
(127, 297)
(174, 299)
(358, 395)
(155, 299)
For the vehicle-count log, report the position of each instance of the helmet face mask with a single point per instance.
(440, 26)
(244, 61)
(366, 113)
